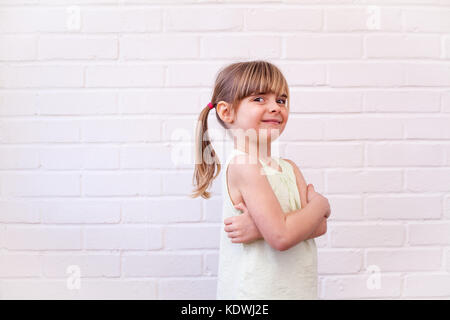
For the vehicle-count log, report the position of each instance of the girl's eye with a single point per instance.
(282, 100)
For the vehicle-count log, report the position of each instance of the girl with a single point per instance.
(271, 253)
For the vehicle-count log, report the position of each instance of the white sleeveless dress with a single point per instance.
(256, 270)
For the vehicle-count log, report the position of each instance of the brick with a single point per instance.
(79, 211)
(191, 74)
(427, 74)
(112, 289)
(210, 264)
(187, 289)
(124, 76)
(403, 207)
(120, 184)
(18, 47)
(182, 130)
(240, 47)
(325, 101)
(427, 180)
(429, 233)
(204, 19)
(18, 103)
(446, 53)
(322, 155)
(77, 102)
(212, 209)
(55, 265)
(401, 101)
(431, 20)
(18, 157)
(191, 237)
(19, 211)
(79, 157)
(99, 157)
(447, 259)
(121, 19)
(305, 73)
(83, 47)
(366, 235)
(405, 154)
(301, 129)
(29, 130)
(162, 47)
(332, 261)
(268, 19)
(362, 19)
(359, 181)
(324, 47)
(403, 46)
(363, 74)
(40, 184)
(159, 102)
(30, 76)
(33, 19)
(161, 210)
(425, 285)
(42, 237)
(427, 128)
(362, 128)
(348, 208)
(359, 286)
(61, 158)
(153, 156)
(445, 100)
(447, 207)
(20, 265)
(405, 259)
(182, 184)
(120, 130)
(122, 237)
(161, 265)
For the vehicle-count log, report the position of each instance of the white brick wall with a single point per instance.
(90, 107)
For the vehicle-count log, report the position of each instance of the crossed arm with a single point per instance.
(242, 228)
(302, 188)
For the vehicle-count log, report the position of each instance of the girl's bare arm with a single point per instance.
(281, 231)
(242, 228)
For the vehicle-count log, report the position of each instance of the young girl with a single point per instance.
(270, 214)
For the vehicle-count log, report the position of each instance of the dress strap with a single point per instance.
(265, 165)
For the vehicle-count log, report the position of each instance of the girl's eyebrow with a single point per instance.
(265, 93)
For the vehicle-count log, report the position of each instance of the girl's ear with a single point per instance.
(225, 112)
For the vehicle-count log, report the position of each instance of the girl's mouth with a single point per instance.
(271, 121)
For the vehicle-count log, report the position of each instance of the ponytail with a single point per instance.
(206, 159)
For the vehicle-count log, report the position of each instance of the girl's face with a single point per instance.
(262, 111)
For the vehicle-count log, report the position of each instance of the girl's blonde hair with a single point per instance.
(233, 83)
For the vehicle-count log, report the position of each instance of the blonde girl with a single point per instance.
(271, 216)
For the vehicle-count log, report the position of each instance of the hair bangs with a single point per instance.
(260, 78)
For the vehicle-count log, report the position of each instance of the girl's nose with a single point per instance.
(274, 107)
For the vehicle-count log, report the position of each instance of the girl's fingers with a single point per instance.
(228, 228)
(233, 234)
(240, 205)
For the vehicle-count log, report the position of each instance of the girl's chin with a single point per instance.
(270, 133)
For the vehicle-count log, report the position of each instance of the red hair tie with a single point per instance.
(210, 105)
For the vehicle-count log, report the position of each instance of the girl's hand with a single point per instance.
(311, 194)
(242, 228)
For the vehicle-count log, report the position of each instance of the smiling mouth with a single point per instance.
(271, 121)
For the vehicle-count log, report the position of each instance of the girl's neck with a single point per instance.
(260, 151)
